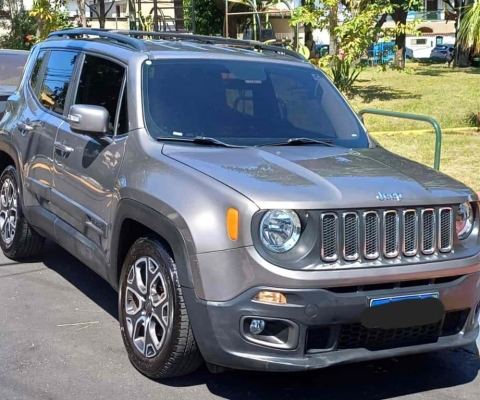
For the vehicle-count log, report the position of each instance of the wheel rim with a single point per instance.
(147, 306)
(8, 211)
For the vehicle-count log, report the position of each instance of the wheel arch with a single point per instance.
(133, 220)
(8, 156)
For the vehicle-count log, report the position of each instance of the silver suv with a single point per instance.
(236, 202)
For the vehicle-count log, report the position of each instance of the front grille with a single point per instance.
(356, 336)
(388, 234)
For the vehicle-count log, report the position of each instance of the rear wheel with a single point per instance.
(18, 240)
(153, 318)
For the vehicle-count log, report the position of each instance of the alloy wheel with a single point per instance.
(8, 211)
(147, 306)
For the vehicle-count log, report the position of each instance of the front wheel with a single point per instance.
(153, 317)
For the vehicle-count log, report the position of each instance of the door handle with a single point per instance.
(63, 148)
(25, 127)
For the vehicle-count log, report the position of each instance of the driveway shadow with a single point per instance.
(82, 277)
(382, 379)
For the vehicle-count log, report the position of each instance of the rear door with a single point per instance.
(46, 94)
(85, 169)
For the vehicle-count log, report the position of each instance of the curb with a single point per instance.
(467, 128)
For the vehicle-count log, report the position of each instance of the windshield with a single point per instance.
(11, 68)
(246, 103)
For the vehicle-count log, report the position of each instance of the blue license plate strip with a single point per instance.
(386, 300)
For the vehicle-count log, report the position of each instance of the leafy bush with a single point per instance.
(21, 30)
(344, 74)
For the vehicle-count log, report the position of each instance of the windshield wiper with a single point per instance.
(301, 140)
(197, 140)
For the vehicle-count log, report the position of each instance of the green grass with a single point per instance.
(451, 96)
(459, 157)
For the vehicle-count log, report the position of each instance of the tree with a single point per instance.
(462, 24)
(101, 13)
(208, 17)
(399, 15)
(20, 28)
(82, 18)
(469, 32)
(50, 16)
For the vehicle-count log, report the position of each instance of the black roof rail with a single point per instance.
(213, 40)
(106, 33)
(133, 39)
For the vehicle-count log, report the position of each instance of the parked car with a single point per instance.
(439, 51)
(236, 202)
(322, 49)
(11, 69)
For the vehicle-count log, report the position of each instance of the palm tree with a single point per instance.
(469, 32)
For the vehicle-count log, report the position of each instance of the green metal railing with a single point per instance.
(416, 117)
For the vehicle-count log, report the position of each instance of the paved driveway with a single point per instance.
(59, 339)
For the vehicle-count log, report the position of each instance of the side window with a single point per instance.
(58, 74)
(36, 69)
(100, 85)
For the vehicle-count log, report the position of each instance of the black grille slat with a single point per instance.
(372, 234)
(428, 231)
(446, 229)
(329, 237)
(410, 233)
(391, 239)
(351, 233)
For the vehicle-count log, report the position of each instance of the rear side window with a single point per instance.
(58, 73)
(36, 69)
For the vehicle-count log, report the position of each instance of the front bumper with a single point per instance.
(326, 327)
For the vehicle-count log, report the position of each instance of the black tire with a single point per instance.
(26, 242)
(179, 354)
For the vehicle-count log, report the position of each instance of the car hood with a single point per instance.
(315, 177)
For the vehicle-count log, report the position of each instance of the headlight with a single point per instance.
(464, 220)
(280, 230)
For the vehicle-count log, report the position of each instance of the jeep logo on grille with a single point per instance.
(390, 196)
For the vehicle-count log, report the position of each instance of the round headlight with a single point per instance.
(280, 230)
(464, 220)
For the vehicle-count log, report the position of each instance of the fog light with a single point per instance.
(257, 326)
(271, 297)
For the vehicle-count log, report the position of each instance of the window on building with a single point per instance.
(419, 42)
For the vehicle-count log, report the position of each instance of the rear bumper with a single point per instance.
(324, 327)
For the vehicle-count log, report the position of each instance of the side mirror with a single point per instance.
(89, 120)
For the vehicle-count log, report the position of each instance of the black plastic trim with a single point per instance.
(158, 223)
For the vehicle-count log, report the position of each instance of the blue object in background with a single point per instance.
(381, 53)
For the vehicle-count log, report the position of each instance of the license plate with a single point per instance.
(386, 300)
(403, 311)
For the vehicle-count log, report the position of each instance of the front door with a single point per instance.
(85, 169)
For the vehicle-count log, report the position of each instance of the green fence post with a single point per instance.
(416, 117)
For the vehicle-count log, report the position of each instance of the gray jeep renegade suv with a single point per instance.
(236, 202)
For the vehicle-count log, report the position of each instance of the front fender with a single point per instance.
(156, 222)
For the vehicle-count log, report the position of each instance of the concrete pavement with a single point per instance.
(59, 339)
